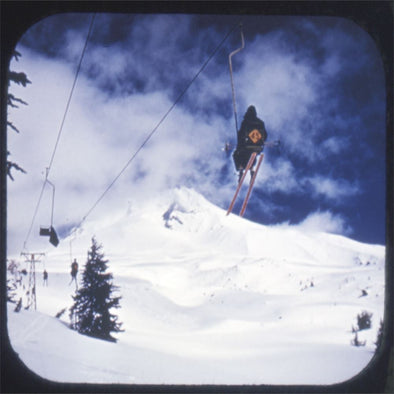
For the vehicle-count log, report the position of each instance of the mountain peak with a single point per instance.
(181, 221)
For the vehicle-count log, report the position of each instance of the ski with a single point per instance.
(250, 162)
(245, 203)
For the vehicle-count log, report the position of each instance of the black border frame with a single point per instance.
(374, 17)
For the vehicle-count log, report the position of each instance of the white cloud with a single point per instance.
(335, 145)
(326, 222)
(279, 176)
(331, 189)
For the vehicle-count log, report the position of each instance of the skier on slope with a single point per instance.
(251, 137)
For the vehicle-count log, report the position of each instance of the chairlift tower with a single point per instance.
(32, 259)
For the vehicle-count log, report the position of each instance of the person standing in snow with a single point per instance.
(45, 275)
(250, 138)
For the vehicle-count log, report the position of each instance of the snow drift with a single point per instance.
(209, 299)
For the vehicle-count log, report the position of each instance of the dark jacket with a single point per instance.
(251, 137)
(252, 130)
(74, 268)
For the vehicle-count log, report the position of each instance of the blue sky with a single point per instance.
(318, 84)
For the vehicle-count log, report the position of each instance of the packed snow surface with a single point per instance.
(208, 299)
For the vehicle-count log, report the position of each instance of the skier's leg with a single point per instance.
(241, 171)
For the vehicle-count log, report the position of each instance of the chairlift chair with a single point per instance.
(50, 231)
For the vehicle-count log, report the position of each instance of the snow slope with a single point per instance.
(209, 299)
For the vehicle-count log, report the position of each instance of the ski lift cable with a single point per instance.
(59, 134)
(53, 199)
(231, 76)
(71, 92)
(150, 135)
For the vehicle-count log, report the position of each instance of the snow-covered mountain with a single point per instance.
(209, 299)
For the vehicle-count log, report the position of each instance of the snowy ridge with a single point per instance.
(201, 225)
(210, 298)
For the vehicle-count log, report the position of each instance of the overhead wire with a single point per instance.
(60, 131)
(154, 130)
(71, 92)
(231, 76)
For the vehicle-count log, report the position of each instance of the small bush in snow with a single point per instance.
(18, 306)
(364, 321)
(60, 313)
(356, 342)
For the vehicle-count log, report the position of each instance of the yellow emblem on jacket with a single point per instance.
(255, 136)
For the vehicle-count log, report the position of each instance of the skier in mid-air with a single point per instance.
(251, 137)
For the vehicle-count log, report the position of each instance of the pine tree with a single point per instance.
(379, 338)
(11, 291)
(12, 282)
(19, 79)
(91, 312)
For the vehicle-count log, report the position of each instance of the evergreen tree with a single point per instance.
(12, 282)
(379, 338)
(91, 312)
(11, 291)
(18, 78)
